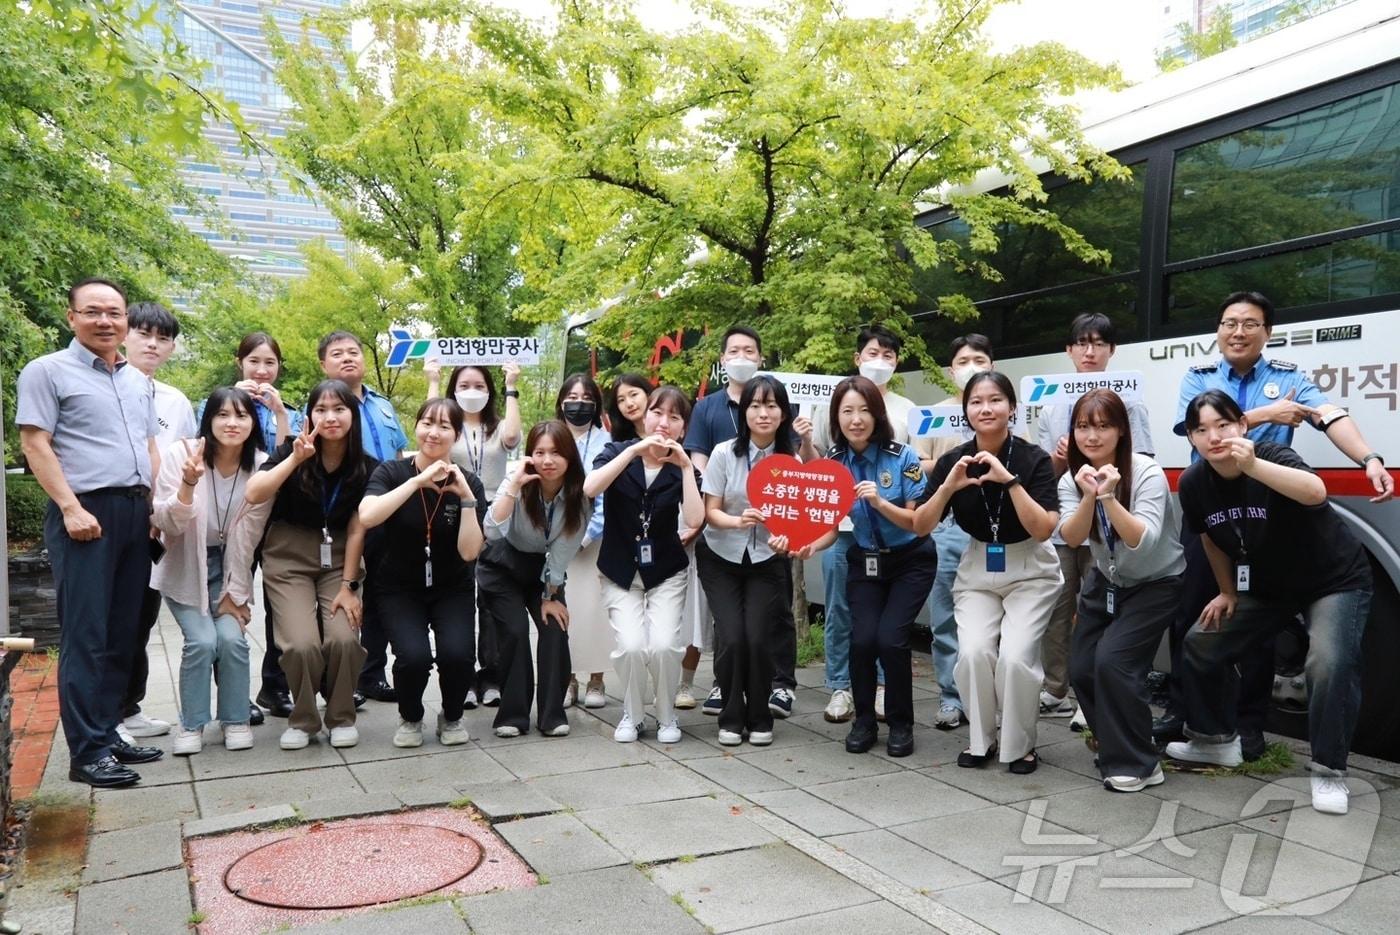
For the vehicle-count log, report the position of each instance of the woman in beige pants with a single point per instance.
(1001, 490)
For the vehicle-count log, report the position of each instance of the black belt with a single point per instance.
(137, 492)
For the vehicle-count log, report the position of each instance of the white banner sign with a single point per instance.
(806, 388)
(938, 422)
(1047, 389)
(462, 352)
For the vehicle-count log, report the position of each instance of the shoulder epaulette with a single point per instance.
(1204, 368)
(893, 448)
(1282, 364)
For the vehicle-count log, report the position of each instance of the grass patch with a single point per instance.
(195, 918)
(464, 802)
(1277, 759)
(812, 648)
(686, 859)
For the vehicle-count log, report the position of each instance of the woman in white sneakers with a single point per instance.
(210, 534)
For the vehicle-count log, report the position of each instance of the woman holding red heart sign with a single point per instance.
(890, 569)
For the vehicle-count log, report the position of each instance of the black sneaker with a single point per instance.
(780, 702)
(1167, 728)
(105, 773)
(380, 691)
(126, 753)
(714, 704)
(900, 742)
(861, 738)
(1252, 744)
(255, 715)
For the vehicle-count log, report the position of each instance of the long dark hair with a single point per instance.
(764, 387)
(254, 340)
(435, 405)
(355, 465)
(882, 434)
(589, 387)
(574, 499)
(674, 397)
(1218, 400)
(490, 416)
(622, 429)
(243, 405)
(1105, 406)
(1002, 381)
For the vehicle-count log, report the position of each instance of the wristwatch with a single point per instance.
(512, 394)
(1015, 479)
(353, 584)
(1372, 456)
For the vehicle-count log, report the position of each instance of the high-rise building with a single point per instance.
(267, 220)
(1249, 19)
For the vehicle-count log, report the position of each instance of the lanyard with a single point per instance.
(223, 519)
(548, 517)
(367, 417)
(326, 506)
(479, 455)
(428, 518)
(871, 517)
(994, 519)
(1109, 537)
(1235, 526)
(733, 419)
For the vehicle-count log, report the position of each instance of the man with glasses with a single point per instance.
(88, 430)
(1276, 398)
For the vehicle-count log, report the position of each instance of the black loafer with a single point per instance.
(1167, 728)
(861, 738)
(900, 742)
(380, 691)
(105, 773)
(126, 753)
(255, 715)
(278, 704)
(1023, 766)
(969, 760)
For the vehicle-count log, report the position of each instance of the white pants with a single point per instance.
(647, 637)
(1001, 617)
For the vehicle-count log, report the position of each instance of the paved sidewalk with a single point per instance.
(794, 838)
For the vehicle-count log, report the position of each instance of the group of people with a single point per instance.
(623, 540)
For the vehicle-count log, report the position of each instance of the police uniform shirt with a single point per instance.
(974, 506)
(898, 477)
(380, 433)
(1293, 550)
(1266, 382)
(398, 562)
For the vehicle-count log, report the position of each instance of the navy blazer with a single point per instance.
(624, 505)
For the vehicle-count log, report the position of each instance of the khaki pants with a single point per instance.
(1074, 568)
(299, 594)
(1001, 618)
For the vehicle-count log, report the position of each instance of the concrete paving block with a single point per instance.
(133, 851)
(439, 918)
(1265, 925)
(995, 841)
(734, 774)
(155, 904)
(571, 755)
(897, 798)
(1227, 796)
(623, 785)
(265, 757)
(1368, 909)
(904, 861)
(995, 906)
(240, 793)
(166, 771)
(995, 784)
(786, 735)
(882, 917)
(809, 813)
(618, 901)
(1116, 819)
(509, 799)
(1374, 838)
(348, 806)
(424, 795)
(455, 769)
(558, 844)
(239, 821)
(115, 809)
(668, 830)
(808, 765)
(757, 887)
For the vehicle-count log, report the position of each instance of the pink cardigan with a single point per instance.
(183, 575)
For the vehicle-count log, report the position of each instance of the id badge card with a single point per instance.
(428, 574)
(1242, 578)
(872, 564)
(645, 553)
(996, 556)
(1110, 599)
(326, 553)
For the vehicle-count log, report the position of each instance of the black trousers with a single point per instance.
(882, 616)
(100, 585)
(1108, 665)
(451, 613)
(140, 661)
(511, 591)
(374, 637)
(744, 600)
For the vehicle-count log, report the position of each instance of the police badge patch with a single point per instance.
(886, 479)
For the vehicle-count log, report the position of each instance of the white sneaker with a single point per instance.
(491, 697)
(125, 735)
(670, 732)
(138, 725)
(294, 738)
(760, 738)
(507, 730)
(558, 730)
(188, 742)
(840, 708)
(949, 717)
(1214, 754)
(685, 698)
(571, 693)
(879, 702)
(346, 736)
(626, 731)
(1050, 706)
(451, 733)
(409, 734)
(238, 737)
(1330, 795)
(470, 702)
(729, 738)
(1079, 723)
(593, 696)
(1133, 783)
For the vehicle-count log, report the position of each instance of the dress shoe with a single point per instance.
(126, 753)
(278, 704)
(255, 715)
(1167, 728)
(900, 742)
(105, 773)
(1024, 766)
(358, 697)
(1252, 743)
(380, 691)
(861, 738)
(969, 760)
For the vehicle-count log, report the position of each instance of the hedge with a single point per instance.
(25, 503)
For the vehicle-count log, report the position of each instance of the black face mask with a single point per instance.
(579, 411)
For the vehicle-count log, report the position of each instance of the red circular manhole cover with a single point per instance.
(355, 865)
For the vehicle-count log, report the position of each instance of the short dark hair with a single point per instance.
(881, 433)
(94, 281)
(887, 338)
(1002, 381)
(1257, 299)
(1085, 326)
(441, 404)
(332, 338)
(673, 397)
(762, 387)
(978, 342)
(152, 316)
(1219, 400)
(746, 332)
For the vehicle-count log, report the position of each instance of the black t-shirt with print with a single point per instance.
(399, 560)
(974, 507)
(1293, 550)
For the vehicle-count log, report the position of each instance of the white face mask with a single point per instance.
(877, 371)
(963, 375)
(740, 370)
(472, 400)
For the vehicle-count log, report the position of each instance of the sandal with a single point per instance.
(1024, 766)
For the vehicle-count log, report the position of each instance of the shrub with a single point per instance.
(25, 503)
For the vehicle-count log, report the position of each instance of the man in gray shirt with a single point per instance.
(87, 428)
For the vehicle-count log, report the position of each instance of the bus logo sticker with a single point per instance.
(1339, 333)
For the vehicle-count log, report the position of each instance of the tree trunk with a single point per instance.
(799, 600)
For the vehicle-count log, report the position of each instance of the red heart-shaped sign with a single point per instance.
(801, 501)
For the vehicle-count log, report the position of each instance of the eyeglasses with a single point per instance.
(1247, 325)
(1086, 344)
(93, 314)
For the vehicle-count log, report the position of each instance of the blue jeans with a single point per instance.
(210, 639)
(836, 632)
(1335, 623)
(951, 542)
